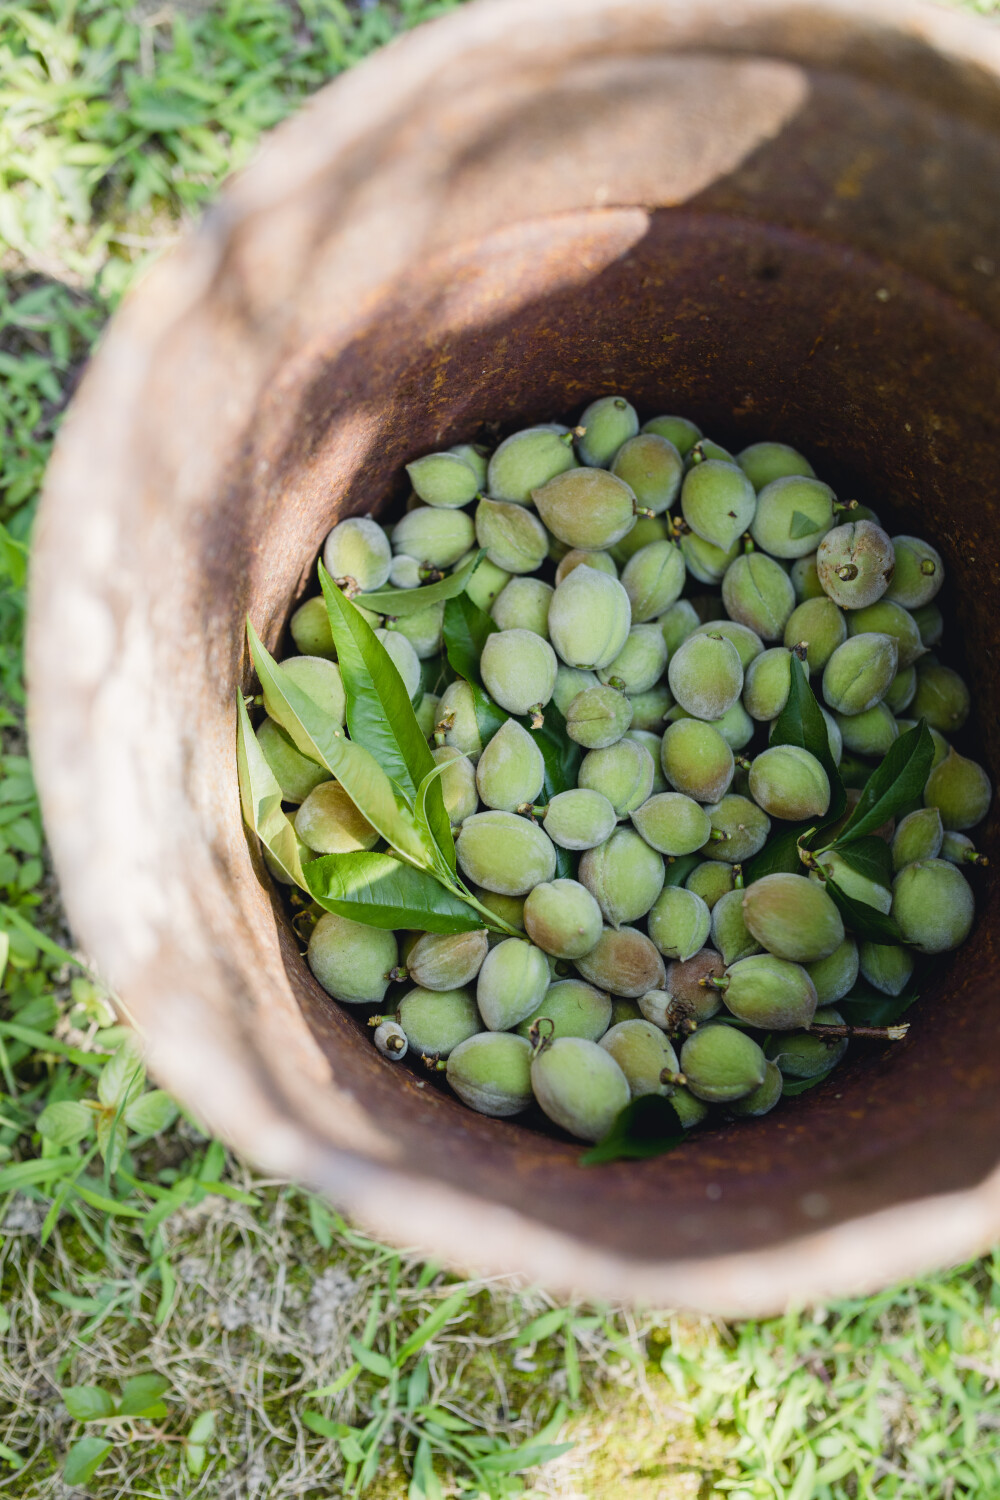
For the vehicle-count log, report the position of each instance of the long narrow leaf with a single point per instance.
(260, 798)
(383, 892)
(898, 782)
(399, 602)
(801, 723)
(423, 812)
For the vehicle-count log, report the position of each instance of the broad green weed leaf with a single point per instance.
(87, 1403)
(151, 1113)
(84, 1459)
(124, 1075)
(65, 1122)
(142, 1395)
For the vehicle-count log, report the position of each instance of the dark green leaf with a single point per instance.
(86, 1403)
(466, 631)
(897, 783)
(866, 922)
(871, 858)
(561, 755)
(361, 776)
(84, 1459)
(567, 864)
(680, 867)
(398, 602)
(801, 723)
(801, 525)
(489, 716)
(647, 1127)
(779, 856)
(260, 799)
(866, 1006)
(792, 1086)
(383, 892)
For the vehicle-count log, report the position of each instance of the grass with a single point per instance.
(174, 1325)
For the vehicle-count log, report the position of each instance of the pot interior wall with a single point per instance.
(754, 331)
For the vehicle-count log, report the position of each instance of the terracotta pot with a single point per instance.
(781, 219)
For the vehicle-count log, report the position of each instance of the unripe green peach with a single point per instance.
(855, 564)
(436, 1021)
(623, 773)
(639, 665)
(514, 539)
(329, 823)
(652, 468)
(793, 516)
(711, 880)
(562, 918)
(358, 548)
(767, 683)
(705, 675)
(574, 1008)
(505, 853)
(800, 1054)
(405, 572)
(758, 592)
(598, 717)
(901, 691)
(871, 733)
(579, 1086)
(579, 819)
(942, 698)
(677, 430)
(960, 849)
(485, 583)
(310, 627)
(518, 669)
(961, 791)
(433, 536)
(693, 999)
(859, 672)
(705, 561)
(932, 905)
(653, 579)
(624, 875)
(888, 618)
(739, 829)
(476, 456)
(679, 923)
(447, 961)
(589, 618)
(917, 836)
(607, 423)
(525, 460)
(747, 642)
(444, 480)
(805, 579)
(793, 918)
(491, 1073)
(689, 1110)
(569, 683)
(294, 772)
(321, 682)
(623, 962)
(512, 981)
(762, 1099)
(718, 502)
(510, 770)
(624, 1010)
(763, 463)
(919, 572)
(770, 993)
(457, 721)
(835, 975)
(672, 823)
(820, 626)
(851, 881)
(649, 709)
(789, 782)
(646, 529)
(929, 621)
(509, 909)
(722, 1063)
(729, 931)
(403, 658)
(352, 961)
(579, 557)
(423, 630)
(458, 783)
(586, 508)
(652, 743)
(887, 966)
(735, 725)
(643, 1053)
(524, 605)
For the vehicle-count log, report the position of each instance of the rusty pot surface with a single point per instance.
(780, 219)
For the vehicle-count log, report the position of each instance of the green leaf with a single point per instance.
(423, 815)
(647, 1127)
(431, 1325)
(361, 776)
(141, 1396)
(87, 1403)
(898, 782)
(871, 857)
(151, 1113)
(866, 1006)
(801, 723)
(866, 922)
(399, 602)
(260, 799)
(13, 558)
(325, 1426)
(779, 856)
(371, 1360)
(561, 755)
(382, 892)
(801, 525)
(124, 1075)
(11, 1459)
(466, 631)
(84, 1459)
(792, 1086)
(65, 1122)
(680, 867)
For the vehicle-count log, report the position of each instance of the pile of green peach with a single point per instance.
(619, 765)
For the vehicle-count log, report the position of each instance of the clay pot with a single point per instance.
(780, 220)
